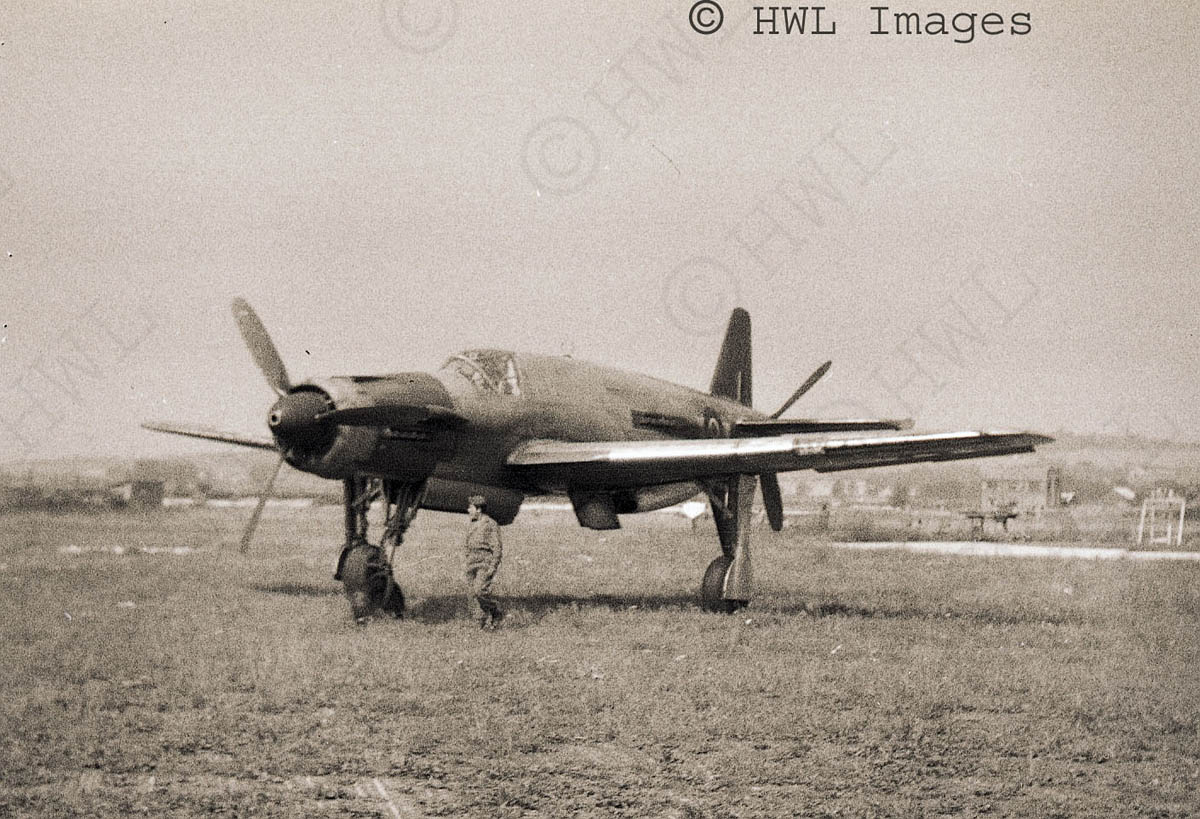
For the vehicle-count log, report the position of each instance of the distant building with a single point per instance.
(1028, 493)
(139, 494)
(845, 490)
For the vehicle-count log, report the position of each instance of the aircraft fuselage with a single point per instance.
(544, 397)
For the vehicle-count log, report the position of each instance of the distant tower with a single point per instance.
(1053, 493)
(1158, 509)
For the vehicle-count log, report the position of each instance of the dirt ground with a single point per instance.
(150, 669)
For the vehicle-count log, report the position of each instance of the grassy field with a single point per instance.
(881, 684)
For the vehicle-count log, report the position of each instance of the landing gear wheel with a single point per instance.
(367, 579)
(713, 586)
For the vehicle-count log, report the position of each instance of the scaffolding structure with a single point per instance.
(1163, 511)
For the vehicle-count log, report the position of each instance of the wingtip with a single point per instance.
(1035, 438)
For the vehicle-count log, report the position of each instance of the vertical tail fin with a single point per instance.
(732, 378)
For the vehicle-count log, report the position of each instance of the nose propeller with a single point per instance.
(261, 348)
(286, 415)
(304, 420)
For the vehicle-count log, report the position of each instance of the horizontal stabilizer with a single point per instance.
(799, 426)
(210, 434)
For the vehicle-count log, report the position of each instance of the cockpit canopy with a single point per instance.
(493, 371)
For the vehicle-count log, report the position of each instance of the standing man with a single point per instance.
(483, 559)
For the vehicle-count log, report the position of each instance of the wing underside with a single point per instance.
(613, 464)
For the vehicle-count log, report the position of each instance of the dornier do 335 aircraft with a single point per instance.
(507, 425)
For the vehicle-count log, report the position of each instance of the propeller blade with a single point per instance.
(772, 499)
(817, 375)
(262, 501)
(261, 348)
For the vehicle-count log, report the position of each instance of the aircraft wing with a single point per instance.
(614, 464)
(210, 434)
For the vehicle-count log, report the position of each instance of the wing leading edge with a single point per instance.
(210, 434)
(612, 464)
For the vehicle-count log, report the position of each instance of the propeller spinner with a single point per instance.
(294, 420)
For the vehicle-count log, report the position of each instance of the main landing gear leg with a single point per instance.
(728, 581)
(364, 568)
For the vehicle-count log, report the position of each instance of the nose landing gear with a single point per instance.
(366, 575)
(366, 570)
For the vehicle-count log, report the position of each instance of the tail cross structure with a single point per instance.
(732, 377)
(727, 583)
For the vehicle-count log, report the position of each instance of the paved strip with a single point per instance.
(970, 548)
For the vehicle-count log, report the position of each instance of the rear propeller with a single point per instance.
(808, 384)
(769, 481)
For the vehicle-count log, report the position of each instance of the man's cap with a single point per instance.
(477, 500)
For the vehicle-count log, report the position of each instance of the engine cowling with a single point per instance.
(307, 424)
(321, 447)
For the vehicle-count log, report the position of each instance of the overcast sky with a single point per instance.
(1000, 233)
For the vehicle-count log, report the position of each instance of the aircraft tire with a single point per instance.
(367, 580)
(712, 586)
